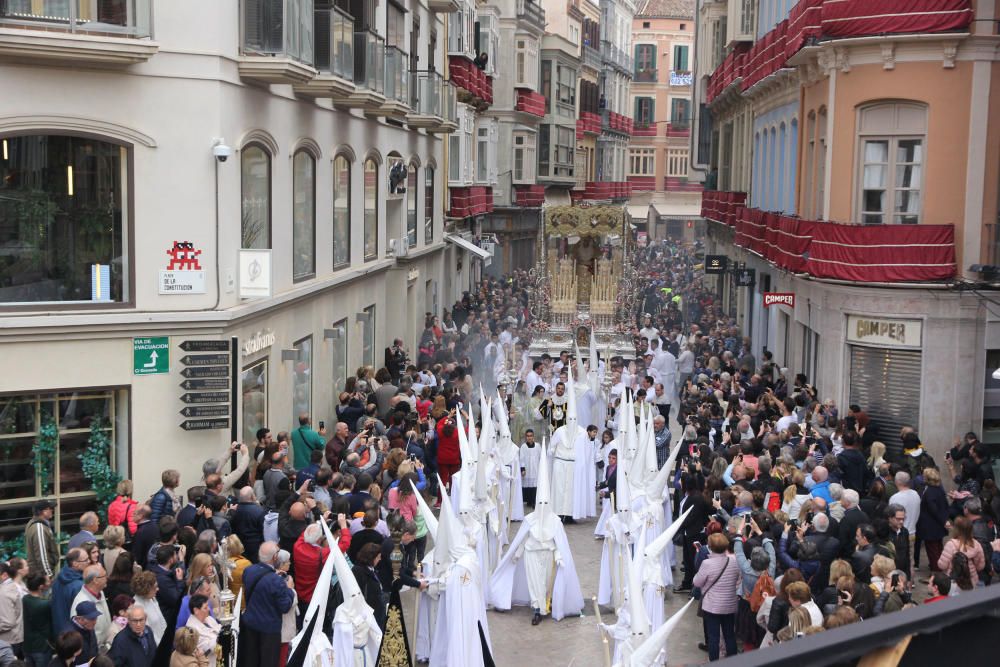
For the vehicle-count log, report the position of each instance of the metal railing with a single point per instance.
(334, 43)
(645, 75)
(125, 18)
(282, 28)
(616, 56)
(396, 76)
(592, 57)
(426, 93)
(531, 11)
(369, 61)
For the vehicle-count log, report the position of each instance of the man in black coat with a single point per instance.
(170, 583)
(855, 472)
(827, 547)
(188, 515)
(147, 534)
(853, 517)
(861, 559)
(692, 528)
(134, 646)
(248, 523)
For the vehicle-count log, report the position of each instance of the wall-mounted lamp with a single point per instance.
(362, 318)
(289, 355)
(335, 332)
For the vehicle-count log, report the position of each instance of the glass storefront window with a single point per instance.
(73, 414)
(63, 220)
(302, 380)
(253, 383)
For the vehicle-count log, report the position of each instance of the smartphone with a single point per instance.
(717, 495)
(322, 424)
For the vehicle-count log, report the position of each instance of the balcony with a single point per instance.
(612, 121)
(444, 6)
(475, 88)
(75, 32)
(369, 72)
(397, 80)
(277, 41)
(681, 184)
(428, 101)
(592, 58)
(529, 196)
(681, 79)
(531, 12)
(811, 21)
(588, 123)
(470, 201)
(612, 55)
(838, 251)
(603, 191)
(642, 183)
(333, 57)
(645, 75)
(644, 130)
(678, 130)
(530, 102)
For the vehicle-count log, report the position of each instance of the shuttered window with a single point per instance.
(886, 384)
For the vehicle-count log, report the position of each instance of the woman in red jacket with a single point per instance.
(120, 509)
(449, 454)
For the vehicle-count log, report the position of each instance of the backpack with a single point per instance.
(765, 584)
(773, 502)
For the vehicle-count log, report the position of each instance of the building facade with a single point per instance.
(274, 173)
(851, 163)
(664, 202)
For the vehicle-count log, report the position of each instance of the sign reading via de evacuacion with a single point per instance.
(183, 274)
(150, 356)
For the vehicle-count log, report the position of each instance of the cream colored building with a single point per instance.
(112, 130)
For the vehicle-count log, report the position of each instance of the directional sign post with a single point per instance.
(151, 356)
(204, 424)
(211, 398)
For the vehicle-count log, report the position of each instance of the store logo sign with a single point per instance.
(259, 341)
(184, 273)
(884, 332)
(779, 298)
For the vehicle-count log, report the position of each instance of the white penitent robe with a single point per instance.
(510, 485)
(509, 584)
(539, 560)
(617, 546)
(427, 614)
(563, 471)
(460, 611)
(356, 639)
(584, 478)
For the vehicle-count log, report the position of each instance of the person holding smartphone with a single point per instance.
(692, 528)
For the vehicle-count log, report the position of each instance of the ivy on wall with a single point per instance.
(95, 463)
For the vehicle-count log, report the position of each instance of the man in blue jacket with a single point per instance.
(170, 582)
(268, 596)
(68, 583)
(135, 645)
(248, 523)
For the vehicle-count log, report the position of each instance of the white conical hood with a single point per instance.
(463, 438)
(450, 528)
(662, 478)
(353, 598)
(503, 421)
(623, 496)
(636, 603)
(543, 501)
(647, 653)
(442, 541)
(581, 372)
(425, 511)
(656, 547)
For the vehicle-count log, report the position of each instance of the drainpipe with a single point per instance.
(694, 166)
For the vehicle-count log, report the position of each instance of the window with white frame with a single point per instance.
(461, 148)
(524, 158)
(566, 90)
(488, 40)
(891, 151)
(526, 63)
(677, 162)
(482, 153)
(574, 33)
(642, 162)
(563, 149)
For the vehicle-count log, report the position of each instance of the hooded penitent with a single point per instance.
(647, 653)
(541, 528)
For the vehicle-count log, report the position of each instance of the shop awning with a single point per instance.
(680, 211)
(467, 245)
(638, 212)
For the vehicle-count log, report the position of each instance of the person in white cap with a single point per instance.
(538, 568)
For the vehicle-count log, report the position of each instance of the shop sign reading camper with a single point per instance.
(884, 332)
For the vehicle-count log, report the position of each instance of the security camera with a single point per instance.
(221, 151)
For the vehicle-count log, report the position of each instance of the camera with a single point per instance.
(312, 485)
(221, 151)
